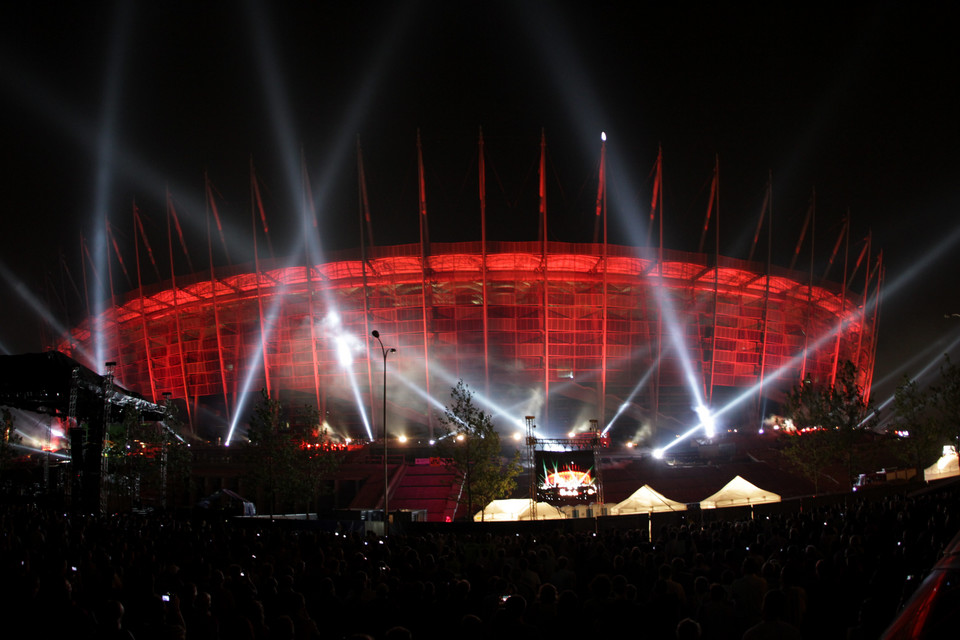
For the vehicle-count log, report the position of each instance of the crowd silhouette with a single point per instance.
(829, 572)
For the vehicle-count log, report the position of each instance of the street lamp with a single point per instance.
(386, 487)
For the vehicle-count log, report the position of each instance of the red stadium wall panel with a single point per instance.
(577, 332)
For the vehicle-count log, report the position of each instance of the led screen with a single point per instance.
(566, 477)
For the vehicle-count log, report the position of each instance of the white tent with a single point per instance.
(517, 509)
(646, 500)
(737, 493)
(587, 510)
(945, 467)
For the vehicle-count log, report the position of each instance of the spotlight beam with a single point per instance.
(636, 389)
(105, 159)
(256, 358)
(281, 119)
(927, 368)
(36, 305)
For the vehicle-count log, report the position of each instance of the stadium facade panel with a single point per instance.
(564, 332)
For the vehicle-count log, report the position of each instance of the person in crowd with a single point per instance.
(105, 577)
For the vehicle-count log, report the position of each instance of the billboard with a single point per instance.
(566, 477)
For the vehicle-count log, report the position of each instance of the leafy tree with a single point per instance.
(851, 416)
(946, 400)
(472, 449)
(9, 438)
(286, 471)
(838, 415)
(817, 448)
(812, 453)
(912, 413)
(320, 461)
(272, 450)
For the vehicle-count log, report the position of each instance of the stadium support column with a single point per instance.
(312, 260)
(657, 206)
(812, 217)
(143, 316)
(216, 309)
(264, 331)
(425, 277)
(543, 266)
(863, 306)
(841, 315)
(117, 345)
(873, 331)
(483, 267)
(766, 297)
(602, 208)
(714, 200)
(313, 335)
(176, 313)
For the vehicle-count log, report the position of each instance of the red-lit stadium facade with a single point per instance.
(565, 332)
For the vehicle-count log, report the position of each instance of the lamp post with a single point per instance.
(386, 487)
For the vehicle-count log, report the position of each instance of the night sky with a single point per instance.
(105, 105)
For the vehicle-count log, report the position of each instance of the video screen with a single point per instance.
(566, 477)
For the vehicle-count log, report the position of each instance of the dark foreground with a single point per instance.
(834, 572)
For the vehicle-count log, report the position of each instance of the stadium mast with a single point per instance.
(483, 265)
(543, 265)
(364, 211)
(425, 275)
(211, 206)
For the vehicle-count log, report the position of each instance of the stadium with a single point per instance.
(636, 338)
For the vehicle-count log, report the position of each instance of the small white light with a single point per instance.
(603, 136)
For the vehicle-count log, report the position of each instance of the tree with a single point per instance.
(321, 461)
(812, 453)
(912, 413)
(851, 416)
(946, 400)
(815, 448)
(274, 471)
(839, 415)
(472, 450)
(284, 469)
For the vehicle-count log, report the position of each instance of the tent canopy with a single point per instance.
(517, 509)
(646, 500)
(738, 492)
(945, 467)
